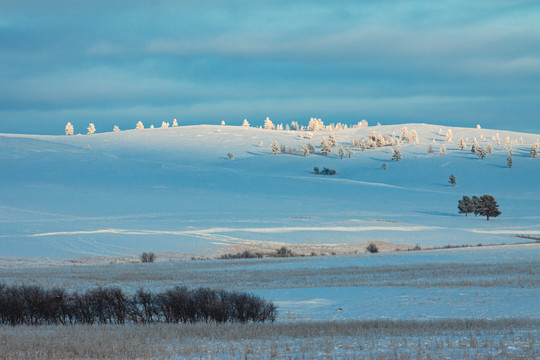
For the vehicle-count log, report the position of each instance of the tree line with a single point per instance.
(34, 305)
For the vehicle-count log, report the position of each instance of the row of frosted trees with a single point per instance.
(139, 126)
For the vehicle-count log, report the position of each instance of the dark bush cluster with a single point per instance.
(324, 171)
(33, 305)
(242, 255)
(148, 257)
(372, 248)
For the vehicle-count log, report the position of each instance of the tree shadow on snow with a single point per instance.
(438, 213)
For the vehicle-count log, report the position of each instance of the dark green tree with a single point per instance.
(466, 205)
(487, 206)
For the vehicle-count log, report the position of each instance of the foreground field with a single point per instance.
(466, 303)
(384, 339)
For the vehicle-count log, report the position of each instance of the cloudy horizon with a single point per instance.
(115, 63)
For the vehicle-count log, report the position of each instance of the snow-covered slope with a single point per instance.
(175, 190)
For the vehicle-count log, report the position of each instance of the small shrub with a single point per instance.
(284, 252)
(148, 257)
(372, 248)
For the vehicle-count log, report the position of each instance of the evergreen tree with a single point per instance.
(452, 180)
(461, 144)
(332, 139)
(396, 156)
(487, 206)
(174, 123)
(490, 148)
(305, 150)
(116, 128)
(449, 135)
(534, 151)
(245, 123)
(275, 147)
(349, 152)
(442, 150)
(325, 148)
(341, 152)
(466, 205)
(268, 124)
(164, 124)
(509, 161)
(69, 129)
(91, 129)
(481, 153)
(384, 166)
(139, 126)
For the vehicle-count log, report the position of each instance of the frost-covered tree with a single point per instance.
(222, 122)
(487, 206)
(489, 148)
(534, 150)
(164, 124)
(405, 134)
(116, 128)
(139, 126)
(474, 146)
(305, 150)
(245, 123)
(509, 161)
(316, 124)
(69, 129)
(294, 126)
(413, 136)
(384, 166)
(230, 156)
(308, 135)
(449, 135)
(430, 149)
(442, 150)
(481, 153)
(362, 145)
(91, 128)
(268, 124)
(341, 152)
(452, 180)
(349, 152)
(396, 155)
(466, 205)
(275, 147)
(332, 140)
(174, 123)
(461, 144)
(325, 148)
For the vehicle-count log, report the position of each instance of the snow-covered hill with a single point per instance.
(174, 190)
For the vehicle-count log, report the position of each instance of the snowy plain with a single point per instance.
(174, 191)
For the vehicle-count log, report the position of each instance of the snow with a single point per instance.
(175, 190)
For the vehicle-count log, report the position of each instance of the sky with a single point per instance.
(455, 63)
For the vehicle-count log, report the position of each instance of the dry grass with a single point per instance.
(279, 274)
(383, 339)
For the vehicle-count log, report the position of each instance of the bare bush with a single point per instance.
(372, 248)
(33, 305)
(148, 257)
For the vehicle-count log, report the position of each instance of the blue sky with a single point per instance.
(117, 62)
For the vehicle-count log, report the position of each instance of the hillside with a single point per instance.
(174, 191)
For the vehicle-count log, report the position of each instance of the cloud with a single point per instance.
(387, 61)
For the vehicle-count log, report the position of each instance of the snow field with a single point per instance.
(174, 191)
